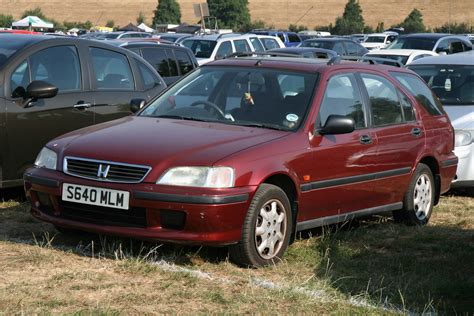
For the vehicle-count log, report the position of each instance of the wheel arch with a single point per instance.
(433, 164)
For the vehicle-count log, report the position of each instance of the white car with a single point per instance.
(270, 42)
(379, 40)
(404, 56)
(207, 48)
(451, 77)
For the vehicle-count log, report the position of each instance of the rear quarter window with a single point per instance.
(420, 91)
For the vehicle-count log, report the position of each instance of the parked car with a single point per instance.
(122, 35)
(50, 86)
(270, 42)
(171, 61)
(290, 39)
(245, 152)
(306, 52)
(210, 47)
(452, 80)
(404, 56)
(359, 38)
(342, 46)
(436, 42)
(379, 40)
(174, 37)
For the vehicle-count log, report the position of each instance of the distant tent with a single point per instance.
(145, 28)
(33, 21)
(130, 27)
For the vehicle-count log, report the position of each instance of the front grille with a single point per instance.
(105, 170)
(134, 217)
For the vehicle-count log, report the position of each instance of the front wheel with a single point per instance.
(419, 199)
(266, 230)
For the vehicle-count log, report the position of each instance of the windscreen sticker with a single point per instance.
(292, 117)
(447, 84)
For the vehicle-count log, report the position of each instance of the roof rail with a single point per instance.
(228, 35)
(266, 53)
(371, 60)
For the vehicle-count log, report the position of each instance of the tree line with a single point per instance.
(234, 14)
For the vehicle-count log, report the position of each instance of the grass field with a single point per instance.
(371, 266)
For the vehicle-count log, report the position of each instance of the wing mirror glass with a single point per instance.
(136, 105)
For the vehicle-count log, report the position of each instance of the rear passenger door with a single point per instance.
(398, 134)
(116, 80)
(343, 163)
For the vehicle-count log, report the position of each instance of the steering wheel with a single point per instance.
(208, 104)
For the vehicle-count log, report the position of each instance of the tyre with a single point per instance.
(266, 230)
(419, 199)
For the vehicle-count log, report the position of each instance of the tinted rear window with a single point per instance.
(420, 91)
(454, 85)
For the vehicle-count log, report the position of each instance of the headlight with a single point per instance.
(463, 138)
(47, 159)
(205, 177)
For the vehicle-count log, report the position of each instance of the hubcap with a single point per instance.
(270, 229)
(422, 197)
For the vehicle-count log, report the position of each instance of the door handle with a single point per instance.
(365, 139)
(82, 105)
(416, 131)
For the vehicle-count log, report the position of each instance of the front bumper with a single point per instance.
(156, 212)
(465, 171)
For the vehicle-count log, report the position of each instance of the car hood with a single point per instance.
(461, 116)
(161, 143)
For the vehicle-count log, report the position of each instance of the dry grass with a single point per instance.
(350, 269)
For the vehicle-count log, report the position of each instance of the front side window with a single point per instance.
(342, 97)
(269, 43)
(384, 103)
(453, 84)
(224, 50)
(256, 44)
(58, 66)
(352, 48)
(339, 49)
(112, 70)
(293, 38)
(375, 39)
(262, 98)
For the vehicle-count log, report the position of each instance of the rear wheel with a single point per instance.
(267, 228)
(419, 199)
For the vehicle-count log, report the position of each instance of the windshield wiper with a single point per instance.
(260, 125)
(180, 117)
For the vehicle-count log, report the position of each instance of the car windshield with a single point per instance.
(258, 97)
(413, 43)
(9, 47)
(318, 44)
(401, 59)
(375, 39)
(454, 85)
(200, 48)
(110, 35)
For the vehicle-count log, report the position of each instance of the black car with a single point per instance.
(51, 85)
(171, 61)
(436, 42)
(342, 46)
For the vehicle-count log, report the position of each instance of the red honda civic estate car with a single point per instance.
(245, 152)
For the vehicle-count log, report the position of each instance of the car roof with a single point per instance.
(426, 35)
(298, 50)
(328, 39)
(310, 65)
(466, 58)
(138, 44)
(400, 52)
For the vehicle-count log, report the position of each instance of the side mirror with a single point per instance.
(136, 105)
(41, 90)
(338, 124)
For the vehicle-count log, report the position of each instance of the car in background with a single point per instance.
(247, 152)
(306, 52)
(290, 39)
(379, 40)
(174, 37)
(207, 48)
(50, 86)
(359, 38)
(16, 31)
(451, 78)
(171, 61)
(342, 46)
(470, 37)
(404, 56)
(270, 42)
(122, 35)
(436, 42)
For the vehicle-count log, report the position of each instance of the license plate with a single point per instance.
(95, 196)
